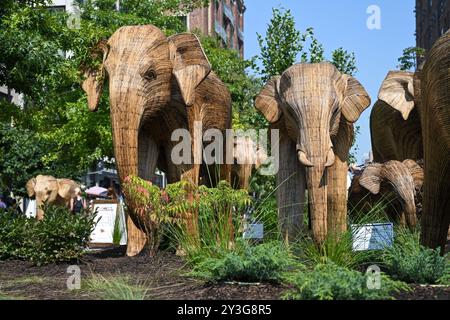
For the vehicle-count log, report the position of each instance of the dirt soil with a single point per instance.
(164, 275)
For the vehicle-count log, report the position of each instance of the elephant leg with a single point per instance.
(337, 197)
(291, 185)
(337, 180)
(148, 156)
(436, 200)
(126, 153)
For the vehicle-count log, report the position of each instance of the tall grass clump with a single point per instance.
(115, 288)
(411, 262)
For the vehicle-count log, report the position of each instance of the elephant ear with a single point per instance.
(268, 101)
(95, 77)
(190, 64)
(397, 91)
(416, 172)
(355, 98)
(371, 178)
(31, 184)
(66, 188)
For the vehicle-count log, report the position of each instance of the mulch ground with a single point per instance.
(164, 275)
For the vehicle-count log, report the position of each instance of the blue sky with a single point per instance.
(342, 23)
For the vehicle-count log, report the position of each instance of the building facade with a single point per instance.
(432, 21)
(222, 18)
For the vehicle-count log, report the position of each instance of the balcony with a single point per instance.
(229, 13)
(220, 31)
(240, 34)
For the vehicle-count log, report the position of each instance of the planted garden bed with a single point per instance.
(161, 277)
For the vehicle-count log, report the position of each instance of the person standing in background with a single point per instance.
(78, 203)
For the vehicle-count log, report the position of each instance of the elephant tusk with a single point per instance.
(330, 158)
(304, 160)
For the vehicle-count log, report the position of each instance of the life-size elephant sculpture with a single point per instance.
(435, 116)
(50, 190)
(314, 106)
(394, 182)
(248, 156)
(158, 84)
(395, 123)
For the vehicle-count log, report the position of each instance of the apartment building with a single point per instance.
(222, 18)
(432, 21)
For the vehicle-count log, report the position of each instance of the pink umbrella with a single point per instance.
(97, 191)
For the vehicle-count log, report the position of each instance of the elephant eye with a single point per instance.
(150, 75)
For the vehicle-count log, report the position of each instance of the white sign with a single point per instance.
(254, 231)
(106, 219)
(375, 236)
(30, 212)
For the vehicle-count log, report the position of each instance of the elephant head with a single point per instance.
(144, 68)
(48, 189)
(405, 179)
(141, 59)
(398, 92)
(312, 98)
(395, 121)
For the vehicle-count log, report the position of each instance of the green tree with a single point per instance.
(20, 154)
(284, 45)
(410, 58)
(40, 56)
(34, 53)
(281, 45)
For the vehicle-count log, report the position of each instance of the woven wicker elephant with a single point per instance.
(394, 121)
(157, 84)
(314, 106)
(435, 118)
(393, 184)
(48, 189)
(248, 156)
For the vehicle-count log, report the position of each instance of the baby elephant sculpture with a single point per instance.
(395, 182)
(48, 189)
(247, 157)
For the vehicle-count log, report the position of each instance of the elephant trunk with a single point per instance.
(410, 213)
(316, 157)
(126, 154)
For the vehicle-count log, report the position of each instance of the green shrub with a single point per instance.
(331, 282)
(218, 219)
(264, 262)
(411, 262)
(150, 204)
(60, 236)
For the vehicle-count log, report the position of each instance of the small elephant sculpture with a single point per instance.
(395, 182)
(247, 157)
(48, 189)
(314, 107)
(158, 84)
